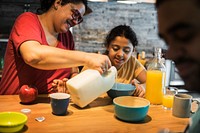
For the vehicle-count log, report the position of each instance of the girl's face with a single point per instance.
(120, 50)
(67, 16)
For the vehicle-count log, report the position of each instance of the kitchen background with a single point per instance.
(89, 35)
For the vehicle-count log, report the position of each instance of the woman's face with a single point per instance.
(120, 50)
(64, 19)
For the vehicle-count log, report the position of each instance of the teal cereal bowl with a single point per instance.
(131, 109)
(121, 89)
(12, 121)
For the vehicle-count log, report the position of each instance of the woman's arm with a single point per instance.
(48, 58)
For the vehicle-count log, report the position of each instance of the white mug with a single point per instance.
(182, 105)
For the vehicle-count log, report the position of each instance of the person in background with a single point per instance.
(179, 27)
(41, 47)
(120, 44)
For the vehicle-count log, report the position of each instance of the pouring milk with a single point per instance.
(90, 84)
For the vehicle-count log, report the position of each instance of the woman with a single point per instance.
(40, 47)
(120, 43)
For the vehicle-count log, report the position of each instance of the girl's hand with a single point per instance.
(139, 91)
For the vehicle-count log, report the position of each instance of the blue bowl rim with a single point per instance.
(17, 124)
(131, 106)
(127, 89)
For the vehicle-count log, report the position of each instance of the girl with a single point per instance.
(120, 43)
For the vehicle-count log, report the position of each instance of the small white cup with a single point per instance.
(182, 105)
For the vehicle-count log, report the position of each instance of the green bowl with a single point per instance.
(12, 121)
(132, 109)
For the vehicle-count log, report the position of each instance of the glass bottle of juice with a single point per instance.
(155, 82)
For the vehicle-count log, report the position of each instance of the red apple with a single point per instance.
(28, 94)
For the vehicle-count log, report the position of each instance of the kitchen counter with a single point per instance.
(97, 117)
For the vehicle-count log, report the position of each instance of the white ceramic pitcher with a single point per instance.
(90, 84)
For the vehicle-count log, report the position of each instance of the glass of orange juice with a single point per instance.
(168, 97)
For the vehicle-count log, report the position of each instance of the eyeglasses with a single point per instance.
(76, 16)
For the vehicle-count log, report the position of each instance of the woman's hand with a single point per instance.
(98, 62)
(60, 85)
(139, 91)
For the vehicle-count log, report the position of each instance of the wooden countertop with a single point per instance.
(97, 117)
